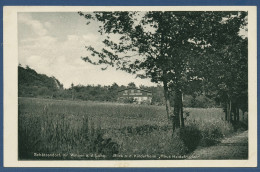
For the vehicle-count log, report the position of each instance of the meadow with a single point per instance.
(63, 129)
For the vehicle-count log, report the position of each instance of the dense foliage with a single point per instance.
(32, 84)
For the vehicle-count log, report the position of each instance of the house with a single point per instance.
(138, 95)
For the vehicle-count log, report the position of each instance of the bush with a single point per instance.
(104, 146)
(240, 125)
(191, 137)
(210, 132)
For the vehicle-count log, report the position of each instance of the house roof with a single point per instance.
(135, 89)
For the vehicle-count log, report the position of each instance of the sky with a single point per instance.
(53, 44)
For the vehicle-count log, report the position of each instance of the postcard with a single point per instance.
(130, 86)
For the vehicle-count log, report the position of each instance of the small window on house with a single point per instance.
(138, 91)
(132, 91)
(126, 91)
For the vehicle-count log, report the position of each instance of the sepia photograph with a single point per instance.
(131, 84)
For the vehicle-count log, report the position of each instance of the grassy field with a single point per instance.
(62, 129)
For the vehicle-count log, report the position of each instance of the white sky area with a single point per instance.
(53, 44)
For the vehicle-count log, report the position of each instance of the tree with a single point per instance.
(113, 90)
(72, 91)
(131, 85)
(33, 84)
(229, 79)
(162, 46)
(225, 67)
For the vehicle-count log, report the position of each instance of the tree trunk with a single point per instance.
(170, 115)
(237, 114)
(178, 111)
(234, 111)
(226, 113)
(230, 111)
(167, 100)
(176, 115)
(181, 111)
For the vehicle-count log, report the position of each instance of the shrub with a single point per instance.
(191, 136)
(212, 132)
(104, 146)
(240, 125)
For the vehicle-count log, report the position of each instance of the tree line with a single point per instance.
(32, 84)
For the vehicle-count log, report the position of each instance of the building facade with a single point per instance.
(138, 95)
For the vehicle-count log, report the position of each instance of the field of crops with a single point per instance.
(63, 129)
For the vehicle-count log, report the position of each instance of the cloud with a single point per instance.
(90, 37)
(37, 27)
(59, 58)
(36, 46)
(39, 42)
(62, 59)
(73, 37)
(36, 62)
(55, 52)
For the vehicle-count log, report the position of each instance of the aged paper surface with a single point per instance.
(11, 93)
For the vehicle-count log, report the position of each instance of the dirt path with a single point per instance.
(234, 147)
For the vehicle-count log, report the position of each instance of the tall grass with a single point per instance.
(69, 128)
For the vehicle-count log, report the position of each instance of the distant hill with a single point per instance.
(32, 84)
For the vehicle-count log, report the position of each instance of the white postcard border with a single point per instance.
(10, 63)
